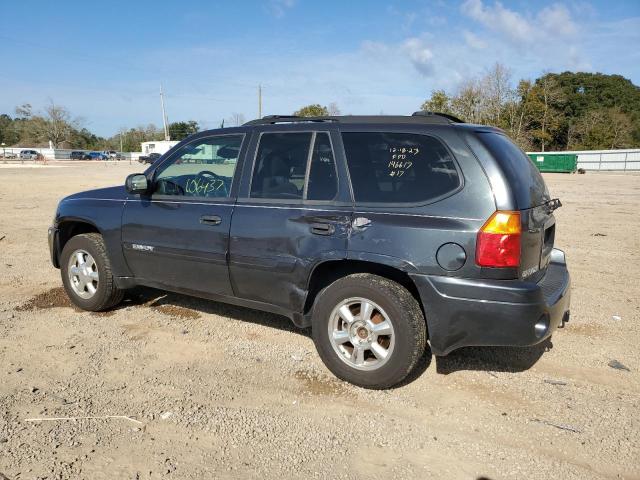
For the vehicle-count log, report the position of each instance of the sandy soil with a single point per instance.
(204, 390)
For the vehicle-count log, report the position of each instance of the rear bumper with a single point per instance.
(471, 312)
(53, 246)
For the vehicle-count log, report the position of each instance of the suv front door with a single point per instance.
(293, 211)
(178, 236)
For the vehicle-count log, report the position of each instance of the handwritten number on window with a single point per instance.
(400, 161)
(200, 187)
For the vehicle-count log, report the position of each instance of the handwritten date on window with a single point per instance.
(200, 187)
(401, 160)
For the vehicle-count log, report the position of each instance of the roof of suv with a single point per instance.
(417, 117)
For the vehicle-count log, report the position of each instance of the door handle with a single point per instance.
(210, 220)
(323, 228)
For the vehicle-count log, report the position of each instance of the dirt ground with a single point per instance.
(178, 387)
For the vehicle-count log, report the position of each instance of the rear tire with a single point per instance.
(86, 273)
(368, 330)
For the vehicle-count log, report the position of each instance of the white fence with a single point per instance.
(57, 153)
(603, 160)
(606, 160)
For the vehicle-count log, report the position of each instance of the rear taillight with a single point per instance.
(498, 243)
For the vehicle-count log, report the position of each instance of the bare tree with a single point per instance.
(24, 111)
(597, 128)
(496, 91)
(621, 128)
(57, 124)
(333, 109)
(467, 102)
(515, 116)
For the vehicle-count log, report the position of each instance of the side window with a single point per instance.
(323, 179)
(281, 165)
(203, 168)
(398, 167)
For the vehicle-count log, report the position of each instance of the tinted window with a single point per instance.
(203, 168)
(323, 180)
(281, 165)
(398, 167)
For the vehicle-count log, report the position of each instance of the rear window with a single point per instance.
(399, 167)
(281, 165)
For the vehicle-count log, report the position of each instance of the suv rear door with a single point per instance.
(177, 237)
(292, 213)
(409, 198)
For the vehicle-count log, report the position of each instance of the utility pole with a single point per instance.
(259, 101)
(164, 115)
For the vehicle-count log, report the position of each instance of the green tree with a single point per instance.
(181, 130)
(553, 112)
(86, 140)
(438, 102)
(588, 92)
(8, 133)
(544, 105)
(315, 110)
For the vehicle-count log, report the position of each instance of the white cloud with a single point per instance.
(473, 40)
(550, 23)
(556, 19)
(279, 7)
(421, 57)
(498, 18)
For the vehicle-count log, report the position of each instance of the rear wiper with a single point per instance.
(553, 204)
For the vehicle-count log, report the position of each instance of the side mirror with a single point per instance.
(137, 183)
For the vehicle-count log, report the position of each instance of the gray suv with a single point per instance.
(380, 233)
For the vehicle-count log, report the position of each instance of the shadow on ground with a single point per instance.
(489, 359)
(492, 359)
(181, 305)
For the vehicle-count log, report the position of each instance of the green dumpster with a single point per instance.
(555, 162)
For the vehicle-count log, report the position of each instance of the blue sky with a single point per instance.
(105, 61)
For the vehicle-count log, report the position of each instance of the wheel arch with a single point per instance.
(325, 273)
(69, 227)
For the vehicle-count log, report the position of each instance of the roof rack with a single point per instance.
(271, 119)
(417, 117)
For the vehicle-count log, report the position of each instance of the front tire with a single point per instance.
(368, 330)
(86, 273)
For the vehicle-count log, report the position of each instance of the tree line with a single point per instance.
(555, 112)
(55, 124)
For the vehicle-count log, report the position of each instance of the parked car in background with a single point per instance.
(7, 155)
(150, 158)
(79, 155)
(30, 155)
(376, 232)
(97, 156)
(113, 155)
